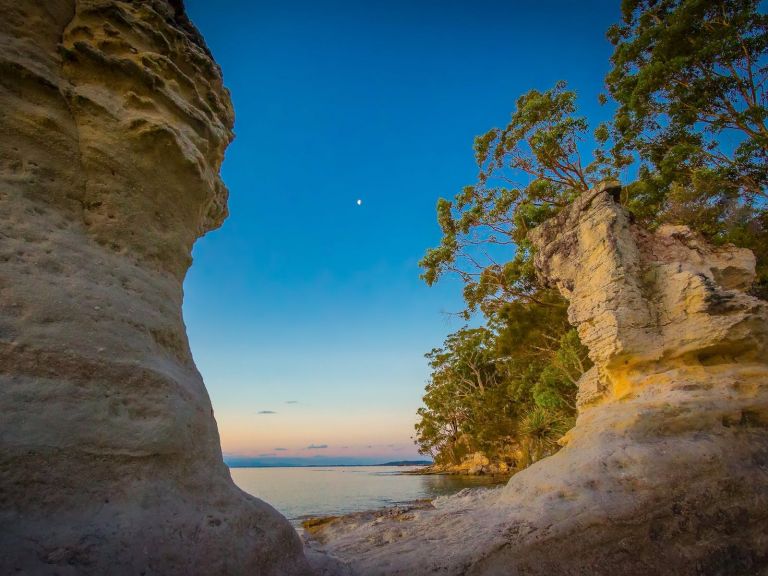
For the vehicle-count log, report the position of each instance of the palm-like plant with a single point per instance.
(539, 430)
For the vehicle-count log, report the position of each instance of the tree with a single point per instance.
(689, 77)
(486, 381)
(528, 359)
(528, 170)
(464, 373)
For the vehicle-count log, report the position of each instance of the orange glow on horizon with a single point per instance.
(300, 431)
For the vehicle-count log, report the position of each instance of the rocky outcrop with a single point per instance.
(474, 464)
(666, 470)
(113, 123)
(647, 303)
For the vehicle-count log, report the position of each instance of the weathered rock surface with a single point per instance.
(666, 470)
(474, 464)
(113, 125)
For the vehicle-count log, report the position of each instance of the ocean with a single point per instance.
(302, 492)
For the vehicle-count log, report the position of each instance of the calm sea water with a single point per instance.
(302, 492)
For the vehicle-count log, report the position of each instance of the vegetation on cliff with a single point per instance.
(688, 85)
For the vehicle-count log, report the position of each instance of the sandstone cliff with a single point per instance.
(666, 470)
(113, 125)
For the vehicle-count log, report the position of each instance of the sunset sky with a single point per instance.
(305, 311)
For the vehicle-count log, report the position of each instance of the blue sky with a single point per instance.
(305, 304)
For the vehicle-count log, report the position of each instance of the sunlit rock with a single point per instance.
(666, 470)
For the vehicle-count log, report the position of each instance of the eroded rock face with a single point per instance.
(648, 303)
(666, 470)
(113, 125)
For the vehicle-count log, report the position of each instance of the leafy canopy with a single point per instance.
(489, 384)
(527, 171)
(688, 80)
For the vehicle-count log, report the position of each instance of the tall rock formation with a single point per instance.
(113, 125)
(666, 470)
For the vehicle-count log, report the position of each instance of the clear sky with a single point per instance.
(305, 311)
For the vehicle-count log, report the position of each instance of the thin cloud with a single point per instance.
(279, 449)
(266, 412)
(291, 401)
(317, 446)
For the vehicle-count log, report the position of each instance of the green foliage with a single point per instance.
(540, 429)
(528, 359)
(541, 146)
(463, 375)
(689, 77)
(485, 380)
(689, 81)
(557, 382)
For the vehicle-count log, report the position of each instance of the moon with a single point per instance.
(359, 202)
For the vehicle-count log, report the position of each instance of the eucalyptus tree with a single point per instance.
(688, 82)
(527, 171)
(689, 78)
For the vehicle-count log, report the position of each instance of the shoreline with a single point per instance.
(232, 463)
(315, 530)
(430, 471)
(362, 542)
(313, 527)
(314, 524)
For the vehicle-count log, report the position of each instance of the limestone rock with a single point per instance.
(113, 123)
(666, 470)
